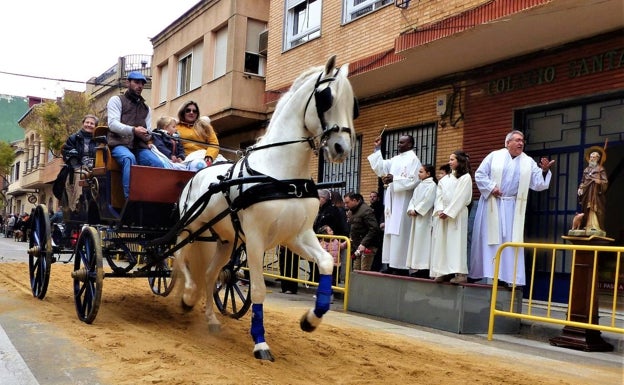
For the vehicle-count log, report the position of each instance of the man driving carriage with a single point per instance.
(129, 120)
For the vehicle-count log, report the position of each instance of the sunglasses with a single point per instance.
(189, 110)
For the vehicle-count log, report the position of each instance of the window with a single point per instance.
(189, 69)
(303, 22)
(164, 82)
(254, 62)
(347, 172)
(356, 8)
(424, 142)
(221, 42)
(184, 73)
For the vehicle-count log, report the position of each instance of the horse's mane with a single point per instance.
(299, 81)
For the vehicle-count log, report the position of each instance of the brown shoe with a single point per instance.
(440, 279)
(459, 278)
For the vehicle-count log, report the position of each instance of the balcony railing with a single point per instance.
(125, 64)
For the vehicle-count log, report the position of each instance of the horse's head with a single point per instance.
(331, 109)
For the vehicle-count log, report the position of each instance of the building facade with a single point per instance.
(211, 55)
(462, 74)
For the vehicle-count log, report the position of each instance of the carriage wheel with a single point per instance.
(88, 274)
(163, 278)
(40, 252)
(232, 293)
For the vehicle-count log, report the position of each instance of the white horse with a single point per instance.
(317, 112)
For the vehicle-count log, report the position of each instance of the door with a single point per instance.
(563, 133)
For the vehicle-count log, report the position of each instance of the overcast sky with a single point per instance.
(75, 39)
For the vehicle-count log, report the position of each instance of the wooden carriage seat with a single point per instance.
(104, 163)
(160, 185)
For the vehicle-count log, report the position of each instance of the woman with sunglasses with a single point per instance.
(196, 134)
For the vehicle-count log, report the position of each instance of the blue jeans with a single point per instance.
(126, 158)
(146, 157)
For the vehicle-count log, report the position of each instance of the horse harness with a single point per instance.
(264, 187)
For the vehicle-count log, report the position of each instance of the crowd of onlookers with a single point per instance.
(15, 226)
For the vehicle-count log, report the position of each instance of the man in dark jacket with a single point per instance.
(365, 231)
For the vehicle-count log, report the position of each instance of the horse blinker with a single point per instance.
(323, 99)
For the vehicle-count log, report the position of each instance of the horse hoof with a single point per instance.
(264, 355)
(186, 307)
(306, 326)
(212, 328)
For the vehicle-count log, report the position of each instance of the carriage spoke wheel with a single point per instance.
(40, 252)
(162, 277)
(232, 293)
(88, 274)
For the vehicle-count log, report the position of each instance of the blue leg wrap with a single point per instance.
(257, 323)
(323, 295)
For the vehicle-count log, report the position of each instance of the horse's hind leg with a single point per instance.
(192, 264)
(221, 255)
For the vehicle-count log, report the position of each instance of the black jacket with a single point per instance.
(167, 144)
(330, 215)
(73, 150)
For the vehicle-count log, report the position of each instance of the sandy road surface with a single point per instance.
(138, 337)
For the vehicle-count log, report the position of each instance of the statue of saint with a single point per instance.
(592, 192)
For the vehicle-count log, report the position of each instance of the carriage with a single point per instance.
(212, 223)
(107, 227)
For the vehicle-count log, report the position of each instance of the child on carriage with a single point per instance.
(169, 148)
(167, 141)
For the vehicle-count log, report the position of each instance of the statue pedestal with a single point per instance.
(588, 340)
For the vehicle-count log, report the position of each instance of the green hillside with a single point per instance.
(12, 108)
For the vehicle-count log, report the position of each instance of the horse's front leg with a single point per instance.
(258, 293)
(308, 245)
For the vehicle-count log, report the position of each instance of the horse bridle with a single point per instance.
(324, 100)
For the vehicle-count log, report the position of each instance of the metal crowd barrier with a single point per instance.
(300, 270)
(548, 318)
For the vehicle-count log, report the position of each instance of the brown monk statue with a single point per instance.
(592, 193)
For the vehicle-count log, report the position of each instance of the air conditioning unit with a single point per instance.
(263, 42)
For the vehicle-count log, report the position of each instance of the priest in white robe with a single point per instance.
(504, 179)
(400, 174)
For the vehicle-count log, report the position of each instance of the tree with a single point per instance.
(56, 120)
(7, 157)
